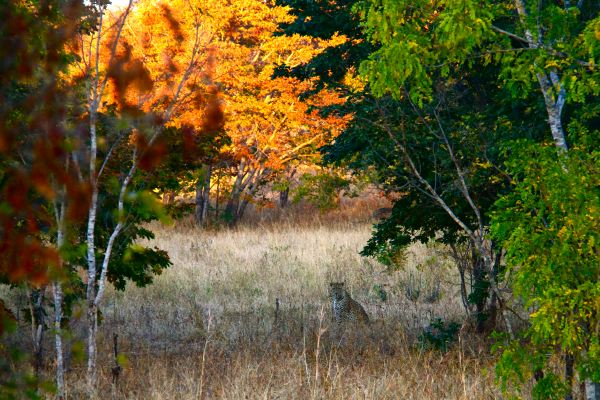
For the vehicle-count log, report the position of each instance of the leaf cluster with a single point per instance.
(549, 225)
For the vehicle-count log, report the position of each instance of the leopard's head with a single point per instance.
(337, 291)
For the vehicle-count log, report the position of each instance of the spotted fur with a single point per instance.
(344, 307)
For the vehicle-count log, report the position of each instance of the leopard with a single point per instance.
(345, 308)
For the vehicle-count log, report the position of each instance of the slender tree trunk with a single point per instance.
(250, 188)
(199, 201)
(554, 97)
(284, 196)
(218, 196)
(60, 367)
(57, 293)
(479, 288)
(552, 89)
(242, 209)
(244, 202)
(36, 308)
(206, 196)
(592, 390)
(168, 198)
(487, 257)
(92, 318)
(231, 209)
(462, 268)
(569, 363)
(203, 195)
(494, 300)
(91, 260)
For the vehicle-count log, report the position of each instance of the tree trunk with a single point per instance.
(249, 189)
(206, 195)
(554, 107)
(569, 363)
(36, 308)
(592, 390)
(490, 266)
(60, 368)
(231, 209)
(91, 260)
(203, 195)
(552, 89)
(92, 317)
(284, 196)
(244, 203)
(218, 196)
(168, 198)
(479, 290)
(462, 268)
(57, 294)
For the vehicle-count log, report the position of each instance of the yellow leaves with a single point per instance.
(354, 81)
(483, 164)
(591, 244)
(412, 45)
(552, 64)
(562, 232)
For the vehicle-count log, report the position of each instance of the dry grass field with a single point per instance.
(209, 328)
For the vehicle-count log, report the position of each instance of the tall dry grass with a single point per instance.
(208, 327)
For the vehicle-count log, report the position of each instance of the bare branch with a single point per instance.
(186, 74)
(460, 173)
(117, 229)
(510, 34)
(432, 192)
(113, 51)
(112, 147)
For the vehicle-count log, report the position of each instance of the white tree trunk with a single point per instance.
(552, 89)
(592, 390)
(58, 299)
(554, 98)
(96, 284)
(36, 304)
(92, 317)
(60, 367)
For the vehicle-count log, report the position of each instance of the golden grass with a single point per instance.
(207, 329)
(217, 304)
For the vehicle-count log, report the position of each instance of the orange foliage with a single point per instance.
(226, 53)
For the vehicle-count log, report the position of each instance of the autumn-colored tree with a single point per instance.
(148, 87)
(269, 122)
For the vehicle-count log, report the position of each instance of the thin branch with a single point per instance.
(76, 165)
(438, 199)
(510, 34)
(112, 147)
(113, 52)
(460, 173)
(540, 45)
(186, 74)
(117, 230)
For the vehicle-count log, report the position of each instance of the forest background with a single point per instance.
(477, 121)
